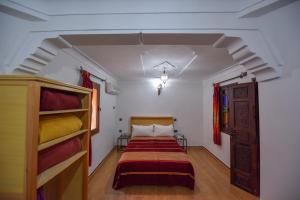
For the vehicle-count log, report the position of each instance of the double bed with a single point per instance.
(153, 160)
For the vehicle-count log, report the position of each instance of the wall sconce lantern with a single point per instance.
(163, 82)
(163, 68)
(164, 77)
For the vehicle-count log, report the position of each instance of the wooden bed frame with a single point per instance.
(148, 120)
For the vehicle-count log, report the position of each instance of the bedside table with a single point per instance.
(122, 141)
(182, 141)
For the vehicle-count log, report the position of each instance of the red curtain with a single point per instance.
(86, 82)
(216, 114)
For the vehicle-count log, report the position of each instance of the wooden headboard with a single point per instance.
(142, 120)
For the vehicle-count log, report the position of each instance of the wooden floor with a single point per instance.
(211, 183)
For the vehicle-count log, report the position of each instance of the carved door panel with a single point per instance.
(244, 142)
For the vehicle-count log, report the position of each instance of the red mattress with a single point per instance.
(154, 161)
(58, 153)
(52, 99)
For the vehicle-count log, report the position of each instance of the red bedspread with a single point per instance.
(154, 161)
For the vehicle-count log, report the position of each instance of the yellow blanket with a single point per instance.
(55, 126)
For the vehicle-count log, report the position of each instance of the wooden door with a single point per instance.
(244, 142)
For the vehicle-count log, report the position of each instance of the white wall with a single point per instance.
(280, 137)
(65, 68)
(12, 33)
(279, 110)
(179, 99)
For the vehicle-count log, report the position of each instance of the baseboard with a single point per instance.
(101, 163)
(215, 157)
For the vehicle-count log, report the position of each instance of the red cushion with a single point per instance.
(52, 99)
(58, 153)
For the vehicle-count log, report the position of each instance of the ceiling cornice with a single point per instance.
(21, 11)
(262, 7)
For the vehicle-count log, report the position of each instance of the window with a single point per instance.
(225, 96)
(224, 109)
(95, 108)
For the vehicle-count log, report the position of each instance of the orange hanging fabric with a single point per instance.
(216, 114)
(86, 82)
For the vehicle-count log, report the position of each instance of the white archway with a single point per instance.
(249, 50)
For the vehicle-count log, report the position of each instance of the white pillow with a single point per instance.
(161, 130)
(139, 130)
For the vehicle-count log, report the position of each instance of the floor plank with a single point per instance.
(212, 182)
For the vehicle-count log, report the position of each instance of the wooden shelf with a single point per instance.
(62, 111)
(50, 173)
(61, 139)
(20, 136)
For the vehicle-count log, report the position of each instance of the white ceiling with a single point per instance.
(133, 56)
(67, 7)
(135, 62)
(43, 10)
